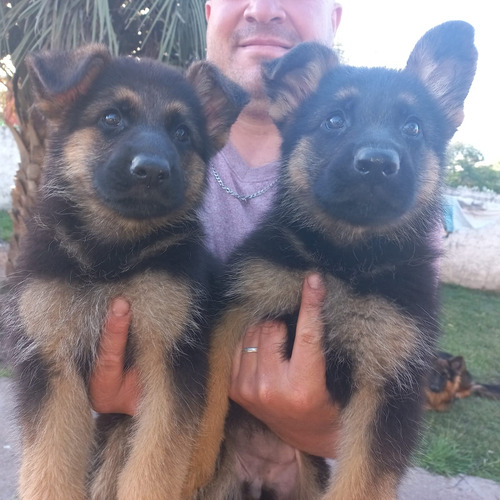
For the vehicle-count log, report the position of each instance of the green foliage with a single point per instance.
(465, 439)
(463, 156)
(170, 30)
(5, 226)
(482, 177)
(463, 169)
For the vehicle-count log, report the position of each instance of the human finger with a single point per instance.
(272, 346)
(107, 379)
(244, 365)
(307, 351)
(111, 355)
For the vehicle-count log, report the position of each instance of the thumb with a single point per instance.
(107, 375)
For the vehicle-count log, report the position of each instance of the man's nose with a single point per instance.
(265, 11)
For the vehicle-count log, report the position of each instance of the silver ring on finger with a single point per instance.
(249, 349)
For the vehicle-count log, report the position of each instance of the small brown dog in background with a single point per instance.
(449, 380)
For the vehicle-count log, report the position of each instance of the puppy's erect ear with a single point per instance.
(445, 59)
(222, 100)
(295, 76)
(59, 78)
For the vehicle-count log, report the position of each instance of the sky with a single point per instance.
(384, 32)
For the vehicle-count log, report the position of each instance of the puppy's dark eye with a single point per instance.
(112, 118)
(411, 128)
(181, 134)
(335, 122)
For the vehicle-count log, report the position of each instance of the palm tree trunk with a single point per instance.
(29, 136)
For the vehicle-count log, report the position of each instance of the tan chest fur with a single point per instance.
(61, 316)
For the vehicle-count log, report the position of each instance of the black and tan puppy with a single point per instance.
(449, 380)
(124, 175)
(359, 202)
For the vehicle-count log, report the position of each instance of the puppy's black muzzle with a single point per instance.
(437, 384)
(367, 186)
(143, 176)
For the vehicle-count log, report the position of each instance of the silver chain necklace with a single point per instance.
(240, 197)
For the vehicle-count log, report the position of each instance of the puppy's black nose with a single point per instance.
(149, 170)
(377, 162)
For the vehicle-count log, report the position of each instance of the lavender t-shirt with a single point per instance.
(226, 219)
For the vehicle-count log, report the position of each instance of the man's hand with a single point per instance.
(112, 390)
(290, 396)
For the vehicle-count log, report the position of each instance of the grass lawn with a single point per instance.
(466, 439)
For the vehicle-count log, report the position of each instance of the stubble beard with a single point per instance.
(251, 81)
(250, 77)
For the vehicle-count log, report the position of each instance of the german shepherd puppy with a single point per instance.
(359, 202)
(449, 379)
(124, 174)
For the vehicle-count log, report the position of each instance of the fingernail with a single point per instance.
(314, 281)
(120, 307)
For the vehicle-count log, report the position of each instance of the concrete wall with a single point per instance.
(9, 159)
(472, 258)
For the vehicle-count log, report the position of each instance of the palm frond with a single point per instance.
(170, 30)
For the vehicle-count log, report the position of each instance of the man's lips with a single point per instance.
(266, 42)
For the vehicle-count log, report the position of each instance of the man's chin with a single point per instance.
(248, 76)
